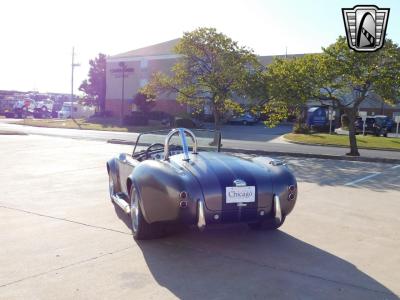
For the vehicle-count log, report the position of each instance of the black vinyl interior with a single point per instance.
(156, 152)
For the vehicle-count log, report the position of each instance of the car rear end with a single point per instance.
(238, 190)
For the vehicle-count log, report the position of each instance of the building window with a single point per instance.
(143, 63)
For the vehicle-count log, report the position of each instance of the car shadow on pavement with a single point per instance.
(233, 262)
(122, 215)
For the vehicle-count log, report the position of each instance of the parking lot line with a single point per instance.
(363, 178)
(370, 176)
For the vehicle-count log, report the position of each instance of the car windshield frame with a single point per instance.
(166, 131)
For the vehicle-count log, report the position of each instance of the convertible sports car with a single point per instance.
(177, 182)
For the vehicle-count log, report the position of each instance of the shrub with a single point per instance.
(185, 123)
(301, 128)
(158, 115)
(321, 128)
(101, 114)
(143, 102)
(163, 117)
(183, 115)
(136, 118)
(206, 118)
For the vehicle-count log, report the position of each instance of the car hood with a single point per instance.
(215, 171)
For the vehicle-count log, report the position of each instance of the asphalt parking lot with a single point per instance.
(62, 238)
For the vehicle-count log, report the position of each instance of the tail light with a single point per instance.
(292, 192)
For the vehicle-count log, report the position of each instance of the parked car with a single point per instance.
(318, 120)
(78, 110)
(43, 109)
(173, 183)
(22, 109)
(6, 107)
(376, 125)
(244, 119)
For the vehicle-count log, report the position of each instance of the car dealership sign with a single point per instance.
(365, 27)
(121, 71)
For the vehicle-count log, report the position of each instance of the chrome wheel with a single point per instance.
(134, 211)
(110, 185)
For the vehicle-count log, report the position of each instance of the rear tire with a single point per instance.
(111, 186)
(141, 230)
(270, 224)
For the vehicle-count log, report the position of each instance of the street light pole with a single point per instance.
(73, 65)
(123, 66)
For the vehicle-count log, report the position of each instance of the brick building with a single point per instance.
(141, 63)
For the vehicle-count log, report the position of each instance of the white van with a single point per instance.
(78, 110)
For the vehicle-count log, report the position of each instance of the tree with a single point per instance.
(339, 77)
(95, 86)
(290, 84)
(144, 102)
(212, 71)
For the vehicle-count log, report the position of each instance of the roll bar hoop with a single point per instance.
(181, 132)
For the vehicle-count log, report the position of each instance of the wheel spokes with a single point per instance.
(110, 185)
(134, 212)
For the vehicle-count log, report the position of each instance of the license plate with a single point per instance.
(240, 194)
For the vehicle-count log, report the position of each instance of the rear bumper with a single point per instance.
(241, 215)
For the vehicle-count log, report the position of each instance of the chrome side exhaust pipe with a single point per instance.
(277, 206)
(201, 221)
(121, 203)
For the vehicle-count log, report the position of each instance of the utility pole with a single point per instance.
(123, 67)
(73, 65)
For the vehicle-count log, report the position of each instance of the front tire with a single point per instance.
(141, 230)
(270, 224)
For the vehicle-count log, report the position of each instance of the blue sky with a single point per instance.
(37, 36)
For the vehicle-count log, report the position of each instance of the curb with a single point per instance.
(5, 132)
(292, 154)
(339, 146)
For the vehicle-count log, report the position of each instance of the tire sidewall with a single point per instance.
(131, 195)
(144, 230)
(111, 185)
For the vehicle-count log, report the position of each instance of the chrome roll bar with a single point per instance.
(181, 132)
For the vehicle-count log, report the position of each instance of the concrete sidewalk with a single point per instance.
(272, 144)
(281, 147)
